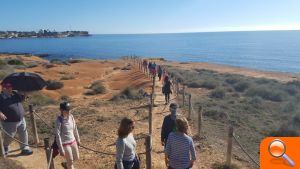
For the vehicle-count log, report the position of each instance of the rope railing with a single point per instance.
(18, 141)
(244, 150)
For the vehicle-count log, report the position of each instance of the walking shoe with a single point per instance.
(26, 152)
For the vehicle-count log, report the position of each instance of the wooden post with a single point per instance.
(229, 146)
(48, 152)
(150, 114)
(33, 123)
(199, 121)
(2, 151)
(148, 152)
(190, 106)
(183, 96)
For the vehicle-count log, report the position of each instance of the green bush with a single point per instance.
(215, 114)
(15, 62)
(241, 86)
(266, 93)
(128, 93)
(67, 77)
(39, 99)
(2, 64)
(209, 84)
(232, 80)
(295, 83)
(54, 85)
(218, 93)
(96, 87)
(291, 89)
(194, 85)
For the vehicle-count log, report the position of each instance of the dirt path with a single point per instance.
(160, 110)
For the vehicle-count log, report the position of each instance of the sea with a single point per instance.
(261, 50)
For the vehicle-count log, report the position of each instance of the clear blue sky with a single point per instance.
(149, 16)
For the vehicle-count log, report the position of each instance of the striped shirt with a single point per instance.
(180, 150)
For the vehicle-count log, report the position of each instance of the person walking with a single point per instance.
(180, 150)
(126, 157)
(166, 89)
(67, 137)
(169, 124)
(159, 72)
(12, 118)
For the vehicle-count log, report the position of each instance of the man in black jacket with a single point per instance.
(168, 125)
(12, 117)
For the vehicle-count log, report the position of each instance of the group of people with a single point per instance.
(178, 145)
(13, 122)
(158, 70)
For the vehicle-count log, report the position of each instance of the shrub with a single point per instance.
(67, 77)
(218, 93)
(209, 84)
(39, 99)
(295, 83)
(32, 64)
(49, 65)
(194, 85)
(232, 80)
(215, 114)
(224, 166)
(54, 85)
(241, 86)
(2, 64)
(266, 93)
(256, 101)
(128, 67)
(75, 61)
(116, 68)
(291, 89)
(15, 62)
(283, 133)
(129, 93)
(96, 87)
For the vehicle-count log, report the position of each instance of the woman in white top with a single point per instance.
(126, 157)
(67, 137)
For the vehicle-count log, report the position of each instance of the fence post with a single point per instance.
(199, 121)
(33, 123)
(190, 106)
(150, 114)
(48, 152)
(148, 152)
(229, 146)
(183, 96)
(2, 151)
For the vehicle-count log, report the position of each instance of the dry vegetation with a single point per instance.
(257, 107)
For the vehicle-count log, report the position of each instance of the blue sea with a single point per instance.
(262, 50)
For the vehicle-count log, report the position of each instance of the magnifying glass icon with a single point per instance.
(277, 149)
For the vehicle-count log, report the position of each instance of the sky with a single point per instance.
(149, 16)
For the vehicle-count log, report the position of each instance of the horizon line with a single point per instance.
(224, 31)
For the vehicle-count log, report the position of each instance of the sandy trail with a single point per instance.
(160, 110)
